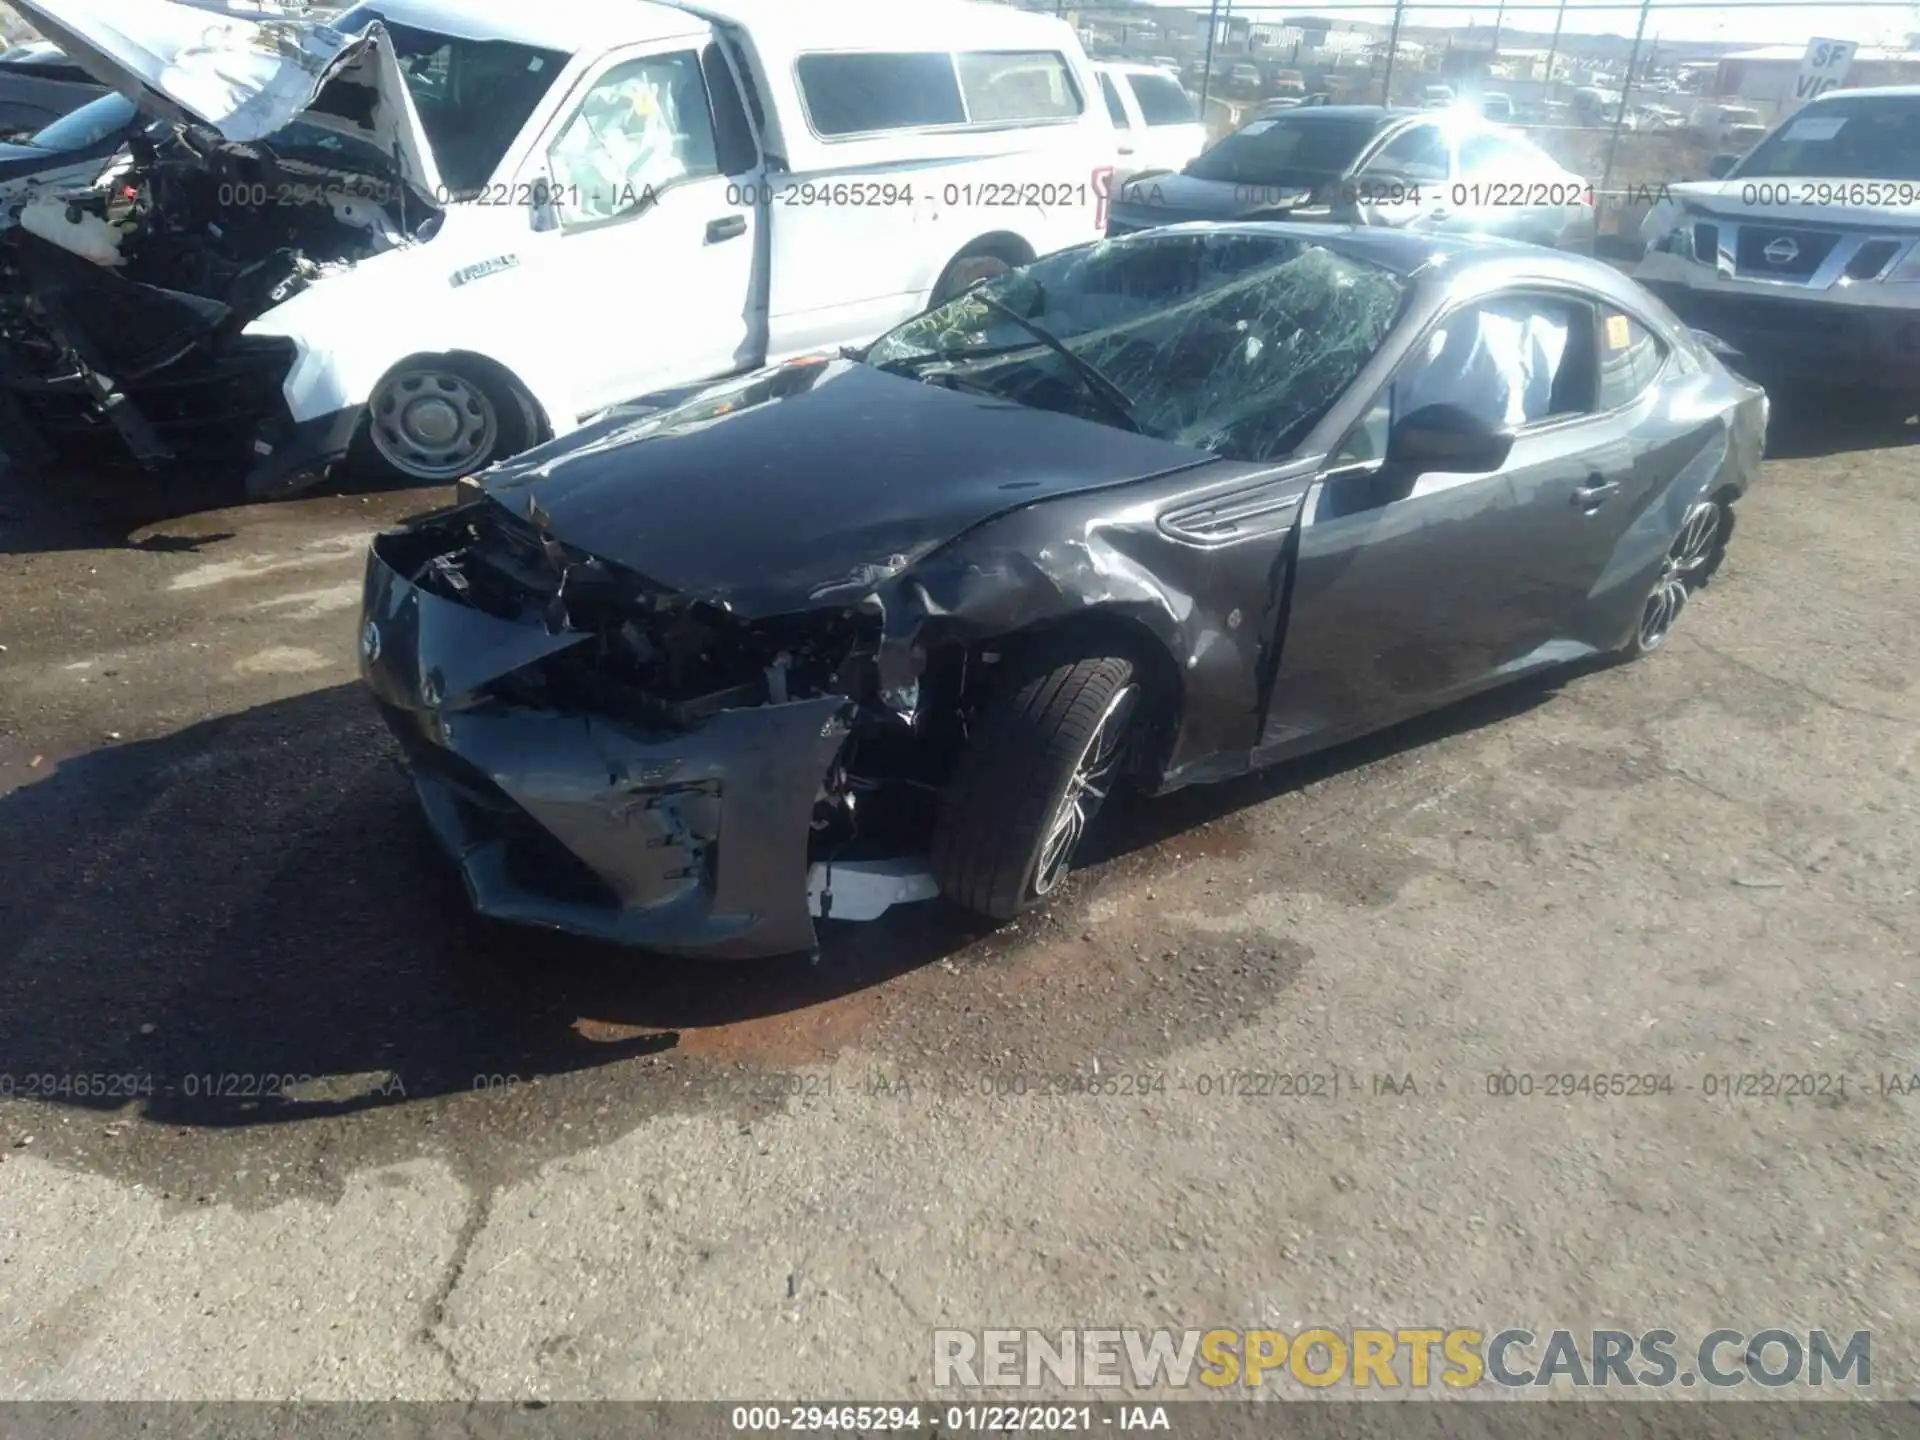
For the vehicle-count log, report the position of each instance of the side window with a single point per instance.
(734, 145)
(1162, 101)
(1490, 157)
(861, 94)
(1017, 85)
(1418, 154)
(642, 125)
(1630, 357)
(1115, 107)
(1512, 361)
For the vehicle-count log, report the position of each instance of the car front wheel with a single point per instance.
(1041, 760)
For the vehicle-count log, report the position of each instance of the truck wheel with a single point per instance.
(966, 272)
(437, 419)
(1041, 760)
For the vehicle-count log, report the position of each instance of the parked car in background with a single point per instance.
(895, 624)
(1446, 172)
(1804, 255)
(1727, 127)
(1497, 107)
(39, 85)
(1285, 84)
(1159, 128)
(573, 203)
(1244, 77)
(1437, 97)
(70, 152)
(1593, 106)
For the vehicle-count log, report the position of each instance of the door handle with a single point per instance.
(725, 228)
(1595, 493)
(1126, 149)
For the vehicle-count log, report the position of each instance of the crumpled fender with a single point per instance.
(342, 356)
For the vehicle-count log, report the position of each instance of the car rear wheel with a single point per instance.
(436, 420)
(1041, 761)
(1695, 554)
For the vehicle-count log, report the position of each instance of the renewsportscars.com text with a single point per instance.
(1415, 1357)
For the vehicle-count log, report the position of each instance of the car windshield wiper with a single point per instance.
(913, 365)
(1116, 400)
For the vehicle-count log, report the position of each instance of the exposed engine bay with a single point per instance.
(234, 223)
(122, 305)
(667, 664)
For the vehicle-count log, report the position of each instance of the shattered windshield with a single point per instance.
(474, 96)
(1226, 342)
(1850, 138)
(1287, 149)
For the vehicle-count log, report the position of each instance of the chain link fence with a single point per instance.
(1606, 88)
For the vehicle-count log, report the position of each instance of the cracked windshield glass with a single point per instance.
(1230, 343)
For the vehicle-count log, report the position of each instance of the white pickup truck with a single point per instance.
(1804, 255)
(435, 232)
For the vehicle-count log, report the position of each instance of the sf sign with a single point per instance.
(1823, 68)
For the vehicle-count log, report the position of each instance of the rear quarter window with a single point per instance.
(1631, 357)
(1013, 85)
(863, 93)
(1162, 102)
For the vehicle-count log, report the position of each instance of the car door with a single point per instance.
(1413, 589)
(1168, 131)
(644, 269)
(1127, 126)
(1404, 181)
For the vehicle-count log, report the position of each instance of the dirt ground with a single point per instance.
(504, 1164)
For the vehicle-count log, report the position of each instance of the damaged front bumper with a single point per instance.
(690, 842)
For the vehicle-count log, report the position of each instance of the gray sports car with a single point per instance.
(864, 628)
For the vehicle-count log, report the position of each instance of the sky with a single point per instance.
(1749, 23)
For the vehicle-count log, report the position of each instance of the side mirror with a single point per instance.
(543, 211)
(1720, 166)
(1448, 439)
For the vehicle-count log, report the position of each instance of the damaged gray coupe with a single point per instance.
(1162, 510)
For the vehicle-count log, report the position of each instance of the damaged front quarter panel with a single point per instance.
(1153, 590)
(675, 830)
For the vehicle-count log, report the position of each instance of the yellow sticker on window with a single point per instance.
(1619, 333)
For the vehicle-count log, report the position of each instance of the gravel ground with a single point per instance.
(513, 1165)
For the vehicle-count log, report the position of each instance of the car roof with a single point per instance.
(1445, 259)
(569, 25)
(777, 25)
(1875, 92)
(1379, 114)
(783, 25)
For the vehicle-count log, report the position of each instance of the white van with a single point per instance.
(542, 209)
(1159, 127)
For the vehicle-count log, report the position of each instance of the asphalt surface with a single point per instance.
(280, 1118)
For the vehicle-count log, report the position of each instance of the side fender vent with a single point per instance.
(1240, 515)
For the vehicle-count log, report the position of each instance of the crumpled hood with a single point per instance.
(245, 77)
(807, 484)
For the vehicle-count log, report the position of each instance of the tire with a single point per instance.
(483, 416)
(966, 272)
(1040, 761)
(1691, 561)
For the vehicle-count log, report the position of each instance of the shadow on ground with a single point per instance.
(257, 897)
(1810, 425)
(105, 508)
